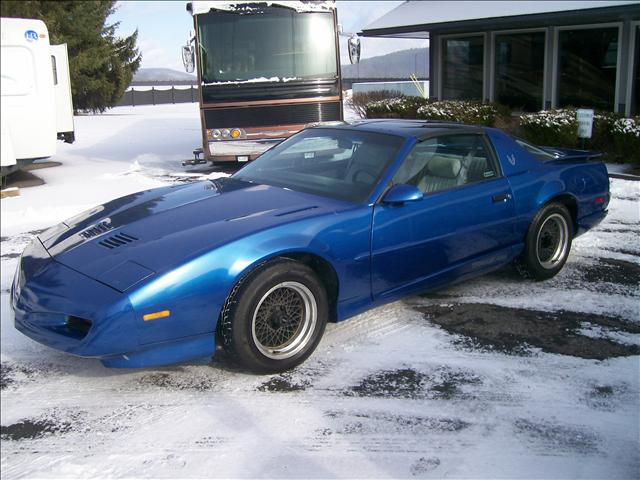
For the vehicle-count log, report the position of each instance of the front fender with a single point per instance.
(195, 291)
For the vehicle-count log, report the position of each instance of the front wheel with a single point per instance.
(548, 242)
(275, 317)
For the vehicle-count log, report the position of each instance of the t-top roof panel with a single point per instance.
(433, 12)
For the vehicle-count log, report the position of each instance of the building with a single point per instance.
(530, 55)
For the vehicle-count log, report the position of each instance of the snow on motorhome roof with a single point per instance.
(434, 12)
(253, 80)
(299, 6)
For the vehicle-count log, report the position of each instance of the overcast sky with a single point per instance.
(163, 27)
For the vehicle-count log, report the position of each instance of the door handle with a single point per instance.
(501, 198)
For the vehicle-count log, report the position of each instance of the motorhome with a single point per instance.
(36, 94)
(265, 70)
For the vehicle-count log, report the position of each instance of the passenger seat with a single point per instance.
(442, 172)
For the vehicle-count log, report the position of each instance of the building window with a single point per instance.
(519, 70)
(463, 68)
(588, 68)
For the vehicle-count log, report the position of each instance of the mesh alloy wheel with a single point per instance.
(284, 320)
(552, 241)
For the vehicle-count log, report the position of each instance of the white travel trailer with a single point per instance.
(36, 94)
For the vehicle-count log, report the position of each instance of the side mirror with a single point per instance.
(188, 58)
(353, 45)
(402, 193)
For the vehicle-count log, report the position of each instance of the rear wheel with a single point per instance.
(548, 242)
(275, 317)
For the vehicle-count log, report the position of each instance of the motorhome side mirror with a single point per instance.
(354, 49)
(402, 193)
(188, 58)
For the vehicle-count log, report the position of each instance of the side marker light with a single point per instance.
(156, 315)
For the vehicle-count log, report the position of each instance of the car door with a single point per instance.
(463, 222)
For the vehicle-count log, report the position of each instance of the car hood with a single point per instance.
(134, 237)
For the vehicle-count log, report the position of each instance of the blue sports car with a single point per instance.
(327, 224)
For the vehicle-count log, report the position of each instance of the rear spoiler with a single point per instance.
(571, 154)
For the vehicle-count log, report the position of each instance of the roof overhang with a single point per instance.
(416, 19)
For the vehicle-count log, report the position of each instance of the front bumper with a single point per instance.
(239, 150)
(63, 309)
(68, 311)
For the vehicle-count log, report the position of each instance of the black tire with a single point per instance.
(548, 243)
(275, 317)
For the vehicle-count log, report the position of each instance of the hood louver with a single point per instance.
(96, 229)
(117, 240)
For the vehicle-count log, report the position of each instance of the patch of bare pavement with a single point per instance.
(520, 331)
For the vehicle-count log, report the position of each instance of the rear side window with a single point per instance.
(447, 161)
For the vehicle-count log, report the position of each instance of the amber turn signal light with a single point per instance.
(156, 315)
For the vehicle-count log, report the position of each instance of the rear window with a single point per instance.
(537, 152)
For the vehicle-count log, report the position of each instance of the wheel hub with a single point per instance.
(278, 318)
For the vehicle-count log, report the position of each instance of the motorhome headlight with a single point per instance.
(226, 133)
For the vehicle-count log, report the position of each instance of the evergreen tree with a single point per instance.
(101, 64)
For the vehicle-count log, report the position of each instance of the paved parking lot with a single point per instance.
(496, 377)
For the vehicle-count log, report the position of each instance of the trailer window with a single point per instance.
(18, 75)
(55, 69)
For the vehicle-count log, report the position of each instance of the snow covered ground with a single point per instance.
(494, 378)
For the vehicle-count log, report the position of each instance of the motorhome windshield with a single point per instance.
(275, 42)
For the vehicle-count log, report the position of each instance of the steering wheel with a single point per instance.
(360, 172)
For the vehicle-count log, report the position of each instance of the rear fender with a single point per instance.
(550, 190)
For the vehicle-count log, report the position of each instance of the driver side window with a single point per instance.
(445, 162)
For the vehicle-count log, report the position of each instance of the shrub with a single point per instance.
(602, 134)
(558, 128)
(360, 100)
(397, 107)
(460, 111)
(626, 138)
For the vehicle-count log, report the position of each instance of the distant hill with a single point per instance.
(162, 75)
(399, 64)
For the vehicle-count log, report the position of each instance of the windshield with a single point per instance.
(340, 164)
(274, 43)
